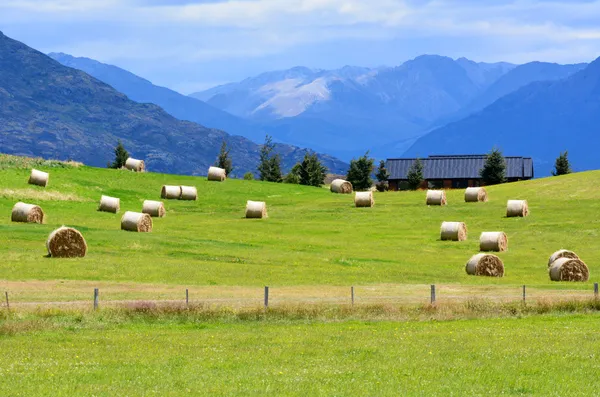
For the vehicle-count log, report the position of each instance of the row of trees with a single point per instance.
(311, 172)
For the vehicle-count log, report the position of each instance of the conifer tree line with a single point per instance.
(311, 172)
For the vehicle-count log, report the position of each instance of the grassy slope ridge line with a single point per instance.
(312, 237)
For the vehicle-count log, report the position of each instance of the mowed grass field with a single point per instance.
(314, 245)
(543, 355)
(312, 237)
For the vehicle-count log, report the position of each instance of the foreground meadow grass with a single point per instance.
(312, 237)
(548, 355)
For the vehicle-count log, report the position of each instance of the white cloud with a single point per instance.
(176, 33)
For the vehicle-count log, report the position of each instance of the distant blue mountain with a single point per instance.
(349, 110)
(516, 78)
(180, 106)
(54, 111)
(539, 120)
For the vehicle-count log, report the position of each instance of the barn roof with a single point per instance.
(458, 167)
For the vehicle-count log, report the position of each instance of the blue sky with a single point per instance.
(193, 45)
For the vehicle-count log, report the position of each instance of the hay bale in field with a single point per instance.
(364, 199)
(569, 269)
(135, 165)
(340, 186)
(475, 194)
(216, 174)
(39, 178)
(109, 204)
(136, 222)
(561, 254)
(454, 231)
(188, 193)
(516, 208)
(170, 192)
(493, 241)
(256, 209)
(66, 242)
(436, 197)
(154, 208)
(27, 213)
(485, 265)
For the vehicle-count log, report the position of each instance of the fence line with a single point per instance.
(354, 298)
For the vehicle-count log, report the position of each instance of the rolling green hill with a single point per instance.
(312, 247)
(311, 238)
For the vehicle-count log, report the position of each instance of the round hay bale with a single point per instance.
(454, 231)
(436, 197)
(27, 213)
(485, 265)
(340, 186)
(135, 165)
(188, 193)
(170, 192)
(256, 209)
(475, 194)
(569, 269)
(154, 208)
(516, 208)
(66, 242)
(216, 174)
(364, 199)
(39, 178)
(561, 254)
(493, 241)
(136, 222)
(109, 204)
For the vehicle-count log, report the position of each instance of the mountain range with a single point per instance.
(347, 111)
(540, 120)
(80, 107)
(54, 111)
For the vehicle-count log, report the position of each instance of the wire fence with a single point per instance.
(362, 295)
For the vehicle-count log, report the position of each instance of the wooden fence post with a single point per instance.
(266, 297)
(7, 304)
(352, 294)
(432, 294)
(187, 297)
(96, 298)
(524, 295)
(595, 291)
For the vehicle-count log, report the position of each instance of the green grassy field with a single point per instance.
(312, 237)
(553, 355)
(311, 249)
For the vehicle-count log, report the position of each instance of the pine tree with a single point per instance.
(562, 166)
(312, 172)
(415, 175)
(494, 169)
(121, 156)
(293, 176)
(359, 173)
(224, 161)
(269, 167)
(275, 166)
(382, 176)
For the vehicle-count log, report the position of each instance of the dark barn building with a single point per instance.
(452, 172)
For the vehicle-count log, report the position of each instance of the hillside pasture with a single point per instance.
(313, 239)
